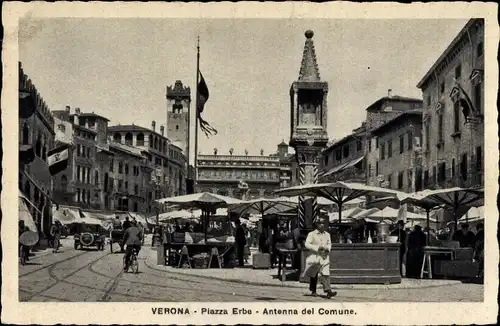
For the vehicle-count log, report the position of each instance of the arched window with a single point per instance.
(64, 182)
(128, 139)
(140, 139)
(26, 134)
(117, 137)
(38, 147)
(164, 146)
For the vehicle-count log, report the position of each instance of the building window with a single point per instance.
(140, 139)
(480, 50)
(389, 181)
(428, 135)
(96, 178)
(369, 145)
(376, 168)
(382, 151)
(464, 167)
(442, 172)
(400, 180)
(78, 173)
(479, 158)
(120, 184)
(78, 198)
(117, 137)
(453, 168)
(120, 167)
(326, 159)
(376, 142)
(136, 207)
(338, 155)
(126, 186)
(389, 148)
(88, 175)
(440, 128)
(369, 170)
(126, 168)
(128, 139)
(359, 145)
(434, 174)
(410, 140)
(111, 164)
(429, 100)
(426, 178)
(88, 152)
(478, 97)
(136, 189)
(441, 88)
(177, 127)
(401, 144)
(458, 71)
(456, 116)
(346, 151)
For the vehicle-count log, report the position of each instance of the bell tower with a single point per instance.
(178, 104)
(308, 118)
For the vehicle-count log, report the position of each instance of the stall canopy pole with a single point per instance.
(428, 211)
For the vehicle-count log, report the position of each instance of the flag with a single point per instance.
(203, 95)
(465, 102)
(27, 104)
(58, 159)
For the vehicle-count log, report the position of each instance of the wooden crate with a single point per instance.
(261, 261)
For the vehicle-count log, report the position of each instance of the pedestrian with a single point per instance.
(464, 236)
(117, 225)
(479, 248)
(402, 239)
(55, 234)
(318, 244)
(415, 255)
(126, 223)
(240, 241)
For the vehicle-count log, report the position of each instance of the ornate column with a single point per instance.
(308, 127)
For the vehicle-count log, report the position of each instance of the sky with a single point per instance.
(119, 68)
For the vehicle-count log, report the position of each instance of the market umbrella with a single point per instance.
(264, 206)
(337, 192)
(205, 201)
(473, 214)
(458, 199)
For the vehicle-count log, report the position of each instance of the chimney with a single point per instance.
(389, 93)
(162, 130)
(68, 109)
(153, 125)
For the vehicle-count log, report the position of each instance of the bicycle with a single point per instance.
(133, 262)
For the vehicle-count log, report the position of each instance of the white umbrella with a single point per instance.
(25, 215)
(337, 192)
(264, 206)
(205, 201)
(473, 214)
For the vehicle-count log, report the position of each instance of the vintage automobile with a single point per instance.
(90, 235)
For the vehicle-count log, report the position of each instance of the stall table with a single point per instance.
(362, 263)
(225, 250)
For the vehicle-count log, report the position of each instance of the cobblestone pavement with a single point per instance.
(90, 275)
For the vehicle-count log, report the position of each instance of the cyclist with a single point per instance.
(133, 239)
(55, 233)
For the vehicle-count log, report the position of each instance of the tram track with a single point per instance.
(52, 264)
(58, 280)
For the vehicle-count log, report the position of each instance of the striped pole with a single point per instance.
(315, 210)
(302, 208)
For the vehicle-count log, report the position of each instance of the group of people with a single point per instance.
(411, 252)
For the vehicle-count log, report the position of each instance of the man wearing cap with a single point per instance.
(318, 245)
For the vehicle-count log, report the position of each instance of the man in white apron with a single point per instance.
(318, 245)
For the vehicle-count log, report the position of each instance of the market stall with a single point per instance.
(376, 262)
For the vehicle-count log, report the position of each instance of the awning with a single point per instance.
(344, 166)
(25, 215)
(65, 215)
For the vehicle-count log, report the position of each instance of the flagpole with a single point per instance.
(195, 178)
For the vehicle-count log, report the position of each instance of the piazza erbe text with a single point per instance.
(126, 212)
(245, 311)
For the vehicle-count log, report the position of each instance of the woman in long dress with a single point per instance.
(318, 245)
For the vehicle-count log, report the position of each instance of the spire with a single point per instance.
(309, 67)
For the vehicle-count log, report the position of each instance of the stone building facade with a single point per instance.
(344, 160)
(36, 138)
(222, 174)
(453, 137)
(399, 152)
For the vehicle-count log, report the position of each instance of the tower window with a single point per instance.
(177, 127)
